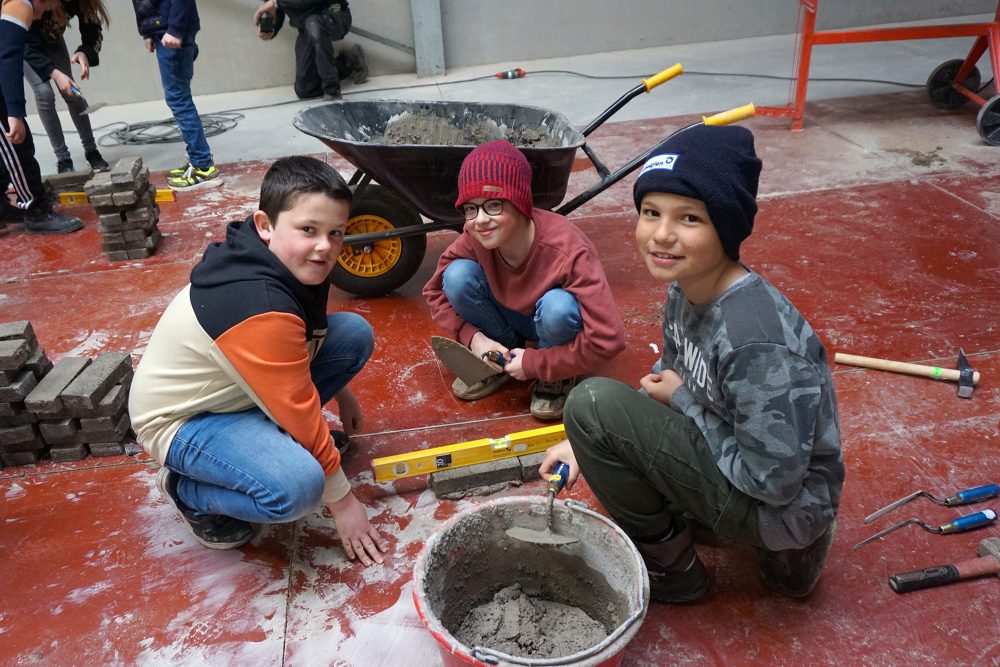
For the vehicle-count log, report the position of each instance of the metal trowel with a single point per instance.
(557, 480)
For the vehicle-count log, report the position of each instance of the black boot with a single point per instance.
(43, 220)
(96, 160)
(64, 166)
(359, 65)
(676, 574)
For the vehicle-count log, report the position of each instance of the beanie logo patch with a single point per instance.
(665, 161)
(492, 188)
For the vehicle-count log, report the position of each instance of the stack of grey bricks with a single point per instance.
(72, 181)
(23, 365)
(125, 200)
(82, 406)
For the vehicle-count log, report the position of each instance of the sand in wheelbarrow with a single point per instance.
(529, 627)
(425, 129)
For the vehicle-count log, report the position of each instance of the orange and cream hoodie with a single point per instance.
(241, 335)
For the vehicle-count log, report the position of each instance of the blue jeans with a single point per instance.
(176, 72)
(243, 465)
(556, 320)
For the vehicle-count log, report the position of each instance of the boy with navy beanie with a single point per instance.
(524, 282)
(735, 430)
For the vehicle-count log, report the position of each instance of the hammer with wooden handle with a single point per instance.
(965, 376)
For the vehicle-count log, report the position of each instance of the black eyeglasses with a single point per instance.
(490, 206)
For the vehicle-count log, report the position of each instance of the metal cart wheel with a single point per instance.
(988, 121)
(379, 267)
(939, 83)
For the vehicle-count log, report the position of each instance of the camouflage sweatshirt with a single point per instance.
(758, 385)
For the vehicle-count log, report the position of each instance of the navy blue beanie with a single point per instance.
(714, 164)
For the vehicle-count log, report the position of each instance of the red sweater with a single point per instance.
(561, 256)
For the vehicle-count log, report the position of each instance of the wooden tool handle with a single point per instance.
(902, 367)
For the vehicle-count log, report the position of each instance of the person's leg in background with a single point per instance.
(21, 169)
(307, 81)
(45, 102)
(176, 71)
(317, 32)
(77, 106)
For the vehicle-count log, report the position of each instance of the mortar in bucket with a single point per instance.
(471, 559)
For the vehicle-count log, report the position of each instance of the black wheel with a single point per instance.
(988, 121)
(381, 266)
(939, 83)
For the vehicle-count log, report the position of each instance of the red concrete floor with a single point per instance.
(881, 221)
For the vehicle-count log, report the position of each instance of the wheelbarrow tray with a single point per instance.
(426, 175)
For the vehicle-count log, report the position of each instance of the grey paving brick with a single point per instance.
(476, 479)
(118, 255)
(22, 458)
(69, 453)
(115, 400)
(17, 419)
(45, 398)
(530, 463)
(13, 354)
(53, 430)
(70, 181)
(125, 170)
(21, 329)
(106, 448)
(78, 438)
(20, 388)
(85, 392)
(14, 435)
(116, 433)
(6, 377)
(125, 198)
(38, 363)
(99, 185)
(139, 253)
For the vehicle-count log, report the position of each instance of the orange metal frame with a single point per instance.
(988, 35)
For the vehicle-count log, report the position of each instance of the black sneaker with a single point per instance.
(65, 166)
(214, 531)
(44, 220)
(96, 160)
(341, 440)
(676, 574)
(795, 572)
(10, 213)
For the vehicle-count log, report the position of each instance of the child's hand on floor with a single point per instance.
(351, 415)
(359, 537)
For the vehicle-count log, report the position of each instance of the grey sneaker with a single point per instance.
(214, 531)
(43, 220)
(795, 572)
(549, 398)
(676, 574)
(480, 389)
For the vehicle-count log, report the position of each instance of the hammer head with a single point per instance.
(965, 374)
(989, 547)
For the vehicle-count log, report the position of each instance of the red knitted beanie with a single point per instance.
(496, 170)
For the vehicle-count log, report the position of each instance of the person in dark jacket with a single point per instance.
(169, 28)
(320, 23)
(46, 58)
(17, 147)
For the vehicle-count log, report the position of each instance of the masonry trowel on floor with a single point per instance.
(557, 480)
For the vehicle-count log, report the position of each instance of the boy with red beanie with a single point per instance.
(524, 282)
(735, 430)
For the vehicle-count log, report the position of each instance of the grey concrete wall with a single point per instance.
(475, 32)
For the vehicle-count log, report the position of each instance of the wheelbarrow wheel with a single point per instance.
(988, 121)
(381, 266)
(939, 89)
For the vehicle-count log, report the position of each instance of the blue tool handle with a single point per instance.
(974, 495)
(558, 477)
(929, 577)
(970, 522)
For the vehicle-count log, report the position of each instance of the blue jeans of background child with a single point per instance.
(243, 465)
(176, 72)
(556, 320)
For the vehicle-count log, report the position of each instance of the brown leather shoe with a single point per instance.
(676, 574)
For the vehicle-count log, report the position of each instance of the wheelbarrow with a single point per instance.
(386, 237)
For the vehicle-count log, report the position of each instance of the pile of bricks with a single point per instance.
(22, 365)
(72, 181)
(125, 200)
(76, 408)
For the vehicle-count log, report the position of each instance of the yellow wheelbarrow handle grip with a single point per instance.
(662, 77)
(731, 116)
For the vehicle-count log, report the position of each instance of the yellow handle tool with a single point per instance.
(731, 116)
(662, 77)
